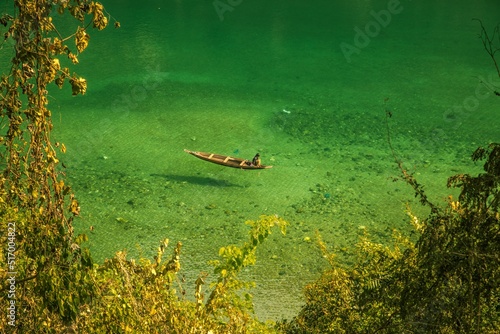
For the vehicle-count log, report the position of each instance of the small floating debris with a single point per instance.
(286, 111)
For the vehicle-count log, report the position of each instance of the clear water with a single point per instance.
(295, 81)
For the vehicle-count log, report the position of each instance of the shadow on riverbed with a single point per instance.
(198, 180)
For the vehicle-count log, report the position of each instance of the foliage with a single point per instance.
(148, 297)
(457, 289)
(447, 282)
(362, 298)
(224, 302)
(36, 206)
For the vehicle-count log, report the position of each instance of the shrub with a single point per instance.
(447, 282)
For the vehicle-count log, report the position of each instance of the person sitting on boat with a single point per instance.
(256, 160)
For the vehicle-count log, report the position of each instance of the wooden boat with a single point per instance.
(225, 160)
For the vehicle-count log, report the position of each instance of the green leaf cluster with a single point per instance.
(225, 301)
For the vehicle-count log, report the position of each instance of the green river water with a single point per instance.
(301, 82)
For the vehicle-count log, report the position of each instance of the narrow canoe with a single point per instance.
(225, 160)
